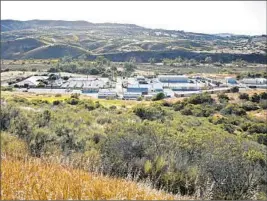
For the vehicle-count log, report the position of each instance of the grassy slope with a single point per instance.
(31, 178)
(54, 51)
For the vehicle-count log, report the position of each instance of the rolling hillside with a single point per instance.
(54, 51)
(119, 39)
(15, 48)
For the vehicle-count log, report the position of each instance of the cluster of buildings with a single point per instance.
(135, 87)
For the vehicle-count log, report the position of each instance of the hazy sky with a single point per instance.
(239, 17)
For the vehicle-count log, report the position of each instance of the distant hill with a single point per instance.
(53, 51)
(9, 25)
(58, 38)
(15, 48)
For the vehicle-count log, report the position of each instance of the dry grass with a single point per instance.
(259, 114)
(28, 178)
(34, 179)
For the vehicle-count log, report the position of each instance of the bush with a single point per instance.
(255, 98)
(8, 88)
(75, 95)
(223, 97)
(197, 110)
(249, 106)
(234, 90)
(258, 128)
(263, 95)
(56, 102)
(178, 106)
(58, 95)
(103, 120)
(72, 101)
(149, 113)
(52, 70)
(65, 77)
(233, 109)
(187, 111)
(159, 96)
(113, 107)
(139, 98)
(167, 104)
(200, 98)
(243, 96)
(39, 102)
(263, 104)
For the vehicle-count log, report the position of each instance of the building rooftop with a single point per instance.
(139, 86)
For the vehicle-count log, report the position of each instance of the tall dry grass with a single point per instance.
(34, 179)
(27, 178)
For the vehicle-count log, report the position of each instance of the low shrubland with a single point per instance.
(195, 147)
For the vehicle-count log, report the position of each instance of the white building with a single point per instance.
(254, 81)
(173, 78)
(107, 94)
(131, 95)
(32, 81)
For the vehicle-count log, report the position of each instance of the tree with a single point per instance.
(159, 96)
(101, 61)
(94, 71)
(129, 67)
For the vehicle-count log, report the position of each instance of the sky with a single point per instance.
(237, 17)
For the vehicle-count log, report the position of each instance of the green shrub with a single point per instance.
(103, 120)
(263, 95)
(8, 88)
(159, 96)
(39, 102)
(166, 104)
(249, 106)
(75, 95)
(233, 109)
(139, 98)
(149, 112)
(223, 97)
(58, 95)
(258, 128)
(56, 102)
(263, 104)
(72, 101)
(113, 107)
(200, 99)
(178, 105)
(234, 90)
(243, 96)
(187, 110)
(255, 98)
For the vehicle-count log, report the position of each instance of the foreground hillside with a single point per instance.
(27, 178)
(205, 147)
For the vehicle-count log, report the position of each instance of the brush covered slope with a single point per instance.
(28, 178)
(192, 147)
